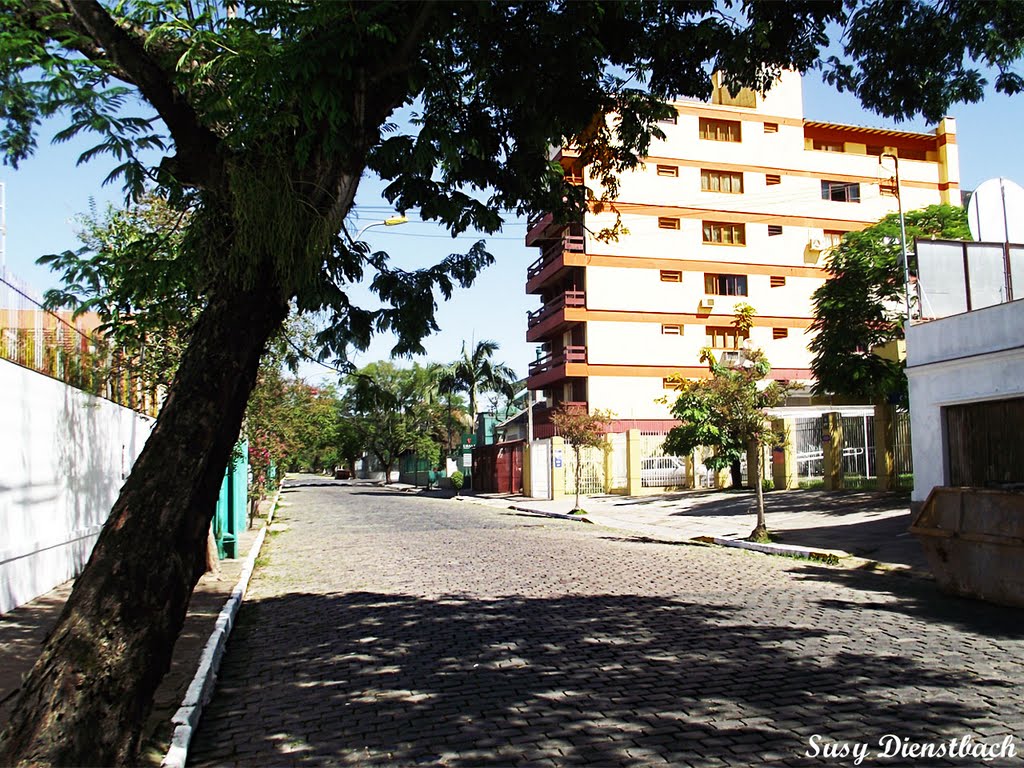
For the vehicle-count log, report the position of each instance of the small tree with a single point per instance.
(580, 430)
(726, 412)
(861, 308)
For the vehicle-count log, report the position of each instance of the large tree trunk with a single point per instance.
(90, 691)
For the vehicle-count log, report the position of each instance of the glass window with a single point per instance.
(721, 233)
(719, 130)
(725, 285)
(725, 337)
(721, 181)
(840, 191)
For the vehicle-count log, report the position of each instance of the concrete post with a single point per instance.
(558, 461)
(784, 470)
(723, 478)
(885, 459)
(832, 450)
(608, 459)
(691, 477)
(527, 471)
(634, 482)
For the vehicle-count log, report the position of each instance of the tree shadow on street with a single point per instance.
(366, 678)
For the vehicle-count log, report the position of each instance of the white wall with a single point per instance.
(63, 457)
(959, 359)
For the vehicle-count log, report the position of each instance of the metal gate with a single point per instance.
(591, 470)
(810, 460)
(858, 447)
(620, 471)
(902, 455)
(656, 469)
(540, 469)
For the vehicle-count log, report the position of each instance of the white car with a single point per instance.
(662, 470)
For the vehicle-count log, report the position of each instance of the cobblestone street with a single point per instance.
(385, 628)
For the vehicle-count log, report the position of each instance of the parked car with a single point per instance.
(662, 470)
(341, 473)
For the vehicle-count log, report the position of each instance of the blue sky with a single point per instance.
(48, 191)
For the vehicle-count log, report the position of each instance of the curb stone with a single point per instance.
(200, 690)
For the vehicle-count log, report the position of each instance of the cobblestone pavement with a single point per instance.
(386, 629)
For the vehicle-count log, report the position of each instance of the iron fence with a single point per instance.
(65, 348)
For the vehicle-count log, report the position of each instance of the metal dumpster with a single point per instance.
(974, 541)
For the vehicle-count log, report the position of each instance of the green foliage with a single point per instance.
(476, 371)
(392, 411)
(861, 308)
(457, 479)
(129, 272)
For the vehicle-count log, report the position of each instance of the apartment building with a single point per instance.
(739, 203)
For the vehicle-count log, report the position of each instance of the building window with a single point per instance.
(671, 276)
(780, 333)
(667, 222)
(668, 170)
(840, 191)
(720, 233)
(721, 181)
(771, 127)
(777, 281)
(670, 329)
(725, 285)
(833, 237)
(719, 130)
(828, 146)
(772, 178)
(672, 119)
(774, 229)
(726, 337)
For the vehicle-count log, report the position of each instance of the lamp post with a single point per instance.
(903, 231)
(391, 221)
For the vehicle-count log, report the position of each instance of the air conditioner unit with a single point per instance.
(818, 244)
(732, 357)
(707, 303)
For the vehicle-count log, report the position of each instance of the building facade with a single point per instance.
(738, 203)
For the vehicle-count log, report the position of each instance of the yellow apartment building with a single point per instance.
(739, 203)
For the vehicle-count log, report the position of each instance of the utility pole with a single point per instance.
(903, 232)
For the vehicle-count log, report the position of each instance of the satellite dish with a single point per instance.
(996, 212)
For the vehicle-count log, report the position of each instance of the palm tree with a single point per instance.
(476, 371)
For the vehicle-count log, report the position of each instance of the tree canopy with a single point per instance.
(860, 312)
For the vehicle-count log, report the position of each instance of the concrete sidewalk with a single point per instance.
(861, 524)
(23, 631)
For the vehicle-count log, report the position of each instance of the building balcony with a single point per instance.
(566, 251)
(570, 361)
(561, 311)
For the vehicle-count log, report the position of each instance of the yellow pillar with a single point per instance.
(723, 478)
(558, 458)
(691, 477)
(608, 458)
(885, 460)
(784, 474)
(832, 450)
(634, 483)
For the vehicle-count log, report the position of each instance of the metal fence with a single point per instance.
(902, 455)
(656, 469)
(810, 459)
(858, 446)
(591, 470)
(67, 348)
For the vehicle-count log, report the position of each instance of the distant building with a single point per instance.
(738, 203)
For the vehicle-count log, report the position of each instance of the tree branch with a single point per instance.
(86, 26)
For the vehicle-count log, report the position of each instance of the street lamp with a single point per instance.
(903, 231)
(391, 221)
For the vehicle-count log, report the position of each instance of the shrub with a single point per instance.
(457, 480)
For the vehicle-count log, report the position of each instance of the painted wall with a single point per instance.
(63, 458)
(959, 359)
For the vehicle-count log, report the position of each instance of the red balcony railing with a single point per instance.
(551, 361)
(567, 299)
(565, 244)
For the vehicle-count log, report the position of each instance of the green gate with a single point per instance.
(230, 518)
